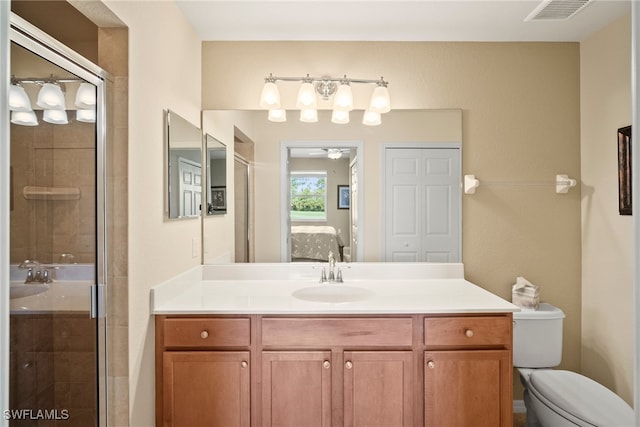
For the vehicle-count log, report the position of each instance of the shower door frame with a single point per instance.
(39, 43)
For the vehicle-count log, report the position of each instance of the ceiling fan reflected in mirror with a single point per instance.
(331, 153)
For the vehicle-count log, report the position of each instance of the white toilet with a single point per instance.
(556, 398)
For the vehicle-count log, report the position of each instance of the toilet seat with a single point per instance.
(579, 399)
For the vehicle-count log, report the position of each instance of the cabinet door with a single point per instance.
(206, 389)
(296, 388)
(378, 389)
(468, 388)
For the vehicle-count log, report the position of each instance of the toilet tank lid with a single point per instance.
(544, 311)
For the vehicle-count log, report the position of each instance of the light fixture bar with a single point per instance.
(327, 79)
(326, 87)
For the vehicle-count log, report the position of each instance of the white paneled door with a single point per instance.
(190, 187)
(422, 205)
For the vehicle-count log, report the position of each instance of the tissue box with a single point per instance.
(525, 294)
(525, 301)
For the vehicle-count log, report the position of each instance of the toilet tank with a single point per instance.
(537, 337)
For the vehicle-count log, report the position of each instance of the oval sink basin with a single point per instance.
(27, 290)
(333, 293)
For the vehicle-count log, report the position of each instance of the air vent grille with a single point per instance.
(557, 10)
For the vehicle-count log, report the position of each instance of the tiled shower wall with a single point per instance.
(52, 361)
(58, 156)
(113, 56)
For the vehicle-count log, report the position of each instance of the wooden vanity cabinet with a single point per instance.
(468, 372)
(203, 372)
(296, 388)
(334, 371)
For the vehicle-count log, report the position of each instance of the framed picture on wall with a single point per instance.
(624, 170)
(344, 197)
(219, 198)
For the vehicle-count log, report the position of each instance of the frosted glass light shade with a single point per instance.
(309, 115)
(307, 96)
(51, 97)
(18, 99)
(340, 117)
(371, 118)
(343, 99)
(277, 115)
(24, 118)
(270, 96)
(380, 102)
(86, 96)
(56, 117)
(86, 116)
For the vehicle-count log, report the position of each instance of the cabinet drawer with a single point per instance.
(337, 332)
(467, 331)
(203, 332)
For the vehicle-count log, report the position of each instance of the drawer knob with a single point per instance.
(469, 333)
(431, 364)
(204, 335)
(244, 364)
(348, 365)
(326, 364)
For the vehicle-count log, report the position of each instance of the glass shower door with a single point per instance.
(56, 372)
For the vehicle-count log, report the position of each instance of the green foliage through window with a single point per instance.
(308, 196)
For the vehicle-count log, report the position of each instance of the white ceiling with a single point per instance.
(384, 20)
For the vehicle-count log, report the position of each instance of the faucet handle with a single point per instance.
(339, 274)
(323, 273)
(28, 264)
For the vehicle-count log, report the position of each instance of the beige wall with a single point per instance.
(607, 341)
(164, 73)
(520, 107)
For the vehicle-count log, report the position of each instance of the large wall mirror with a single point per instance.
(294, 161)
(184, 167)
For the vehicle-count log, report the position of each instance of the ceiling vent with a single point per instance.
(557, 10)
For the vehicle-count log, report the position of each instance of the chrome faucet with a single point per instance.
(335, 273)
(332, 267)
(36, 273)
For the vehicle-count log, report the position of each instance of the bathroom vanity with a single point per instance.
(242, 351)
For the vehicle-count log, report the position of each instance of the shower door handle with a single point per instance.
(97, 301)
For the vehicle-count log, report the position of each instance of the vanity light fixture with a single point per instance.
(56, 117)
(326, 87)
(18, 98)
(24, 118)
(51, 99)
(86, 96)
(86, 115)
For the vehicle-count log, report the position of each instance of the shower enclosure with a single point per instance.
(57, 360)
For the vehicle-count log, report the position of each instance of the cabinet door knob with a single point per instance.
(469, 333)
(431, 364)
(244, 364)
(326, 364)
(204, 335)
(348, 365)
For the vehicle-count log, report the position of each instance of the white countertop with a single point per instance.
(437, 290)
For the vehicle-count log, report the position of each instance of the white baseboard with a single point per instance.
(518, 407)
